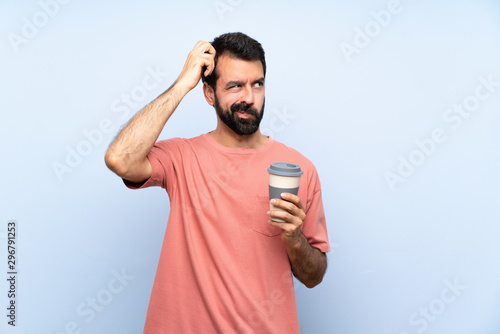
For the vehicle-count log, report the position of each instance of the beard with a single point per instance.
(241, 126)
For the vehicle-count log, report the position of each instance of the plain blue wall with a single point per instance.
(372, 91)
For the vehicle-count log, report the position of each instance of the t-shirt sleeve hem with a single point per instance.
(134, 186)
(154, 180)
(323, 247)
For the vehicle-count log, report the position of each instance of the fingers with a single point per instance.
(293, 216)
(206, 51)
(205, 47)
(201, 57)
(292, 205)
(294, 199)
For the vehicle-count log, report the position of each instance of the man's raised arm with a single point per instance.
(127, 154)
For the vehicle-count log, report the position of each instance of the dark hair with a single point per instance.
(236, 45)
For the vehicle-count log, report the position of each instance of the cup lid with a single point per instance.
(285, 169)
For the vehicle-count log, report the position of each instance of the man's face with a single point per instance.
(239, 96)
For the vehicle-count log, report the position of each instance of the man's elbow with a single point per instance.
(128, 169)
(115, 164)
(312, 283)
(317, 278)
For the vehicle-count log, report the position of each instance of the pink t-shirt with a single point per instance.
(222, 267)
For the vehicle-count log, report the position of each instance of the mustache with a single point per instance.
(245, 108)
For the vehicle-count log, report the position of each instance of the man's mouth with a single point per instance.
(243, 114)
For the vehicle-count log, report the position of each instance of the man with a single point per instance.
(224, 267)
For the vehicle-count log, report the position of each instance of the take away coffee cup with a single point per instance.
(284, 177)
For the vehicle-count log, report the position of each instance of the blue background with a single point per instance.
(357, 114)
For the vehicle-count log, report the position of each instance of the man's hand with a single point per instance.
(201, 56)
(308, 263)
(293, 216)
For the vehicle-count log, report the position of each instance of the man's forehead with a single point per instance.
(231, 68)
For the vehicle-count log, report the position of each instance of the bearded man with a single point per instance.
(225, 266)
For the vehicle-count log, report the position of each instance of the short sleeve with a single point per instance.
(314, 226)
(160, 157)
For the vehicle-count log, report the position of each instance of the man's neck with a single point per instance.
(229, 138)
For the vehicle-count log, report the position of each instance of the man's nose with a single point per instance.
(248, 95)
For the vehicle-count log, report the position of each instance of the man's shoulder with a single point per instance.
(292, 153)
(181, 141)
(177, 148)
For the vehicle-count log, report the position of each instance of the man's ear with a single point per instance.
(209, 94)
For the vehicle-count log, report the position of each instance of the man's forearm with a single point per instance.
(138, 136)
(308, 263)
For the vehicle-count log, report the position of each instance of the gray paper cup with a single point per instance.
(284, 177)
